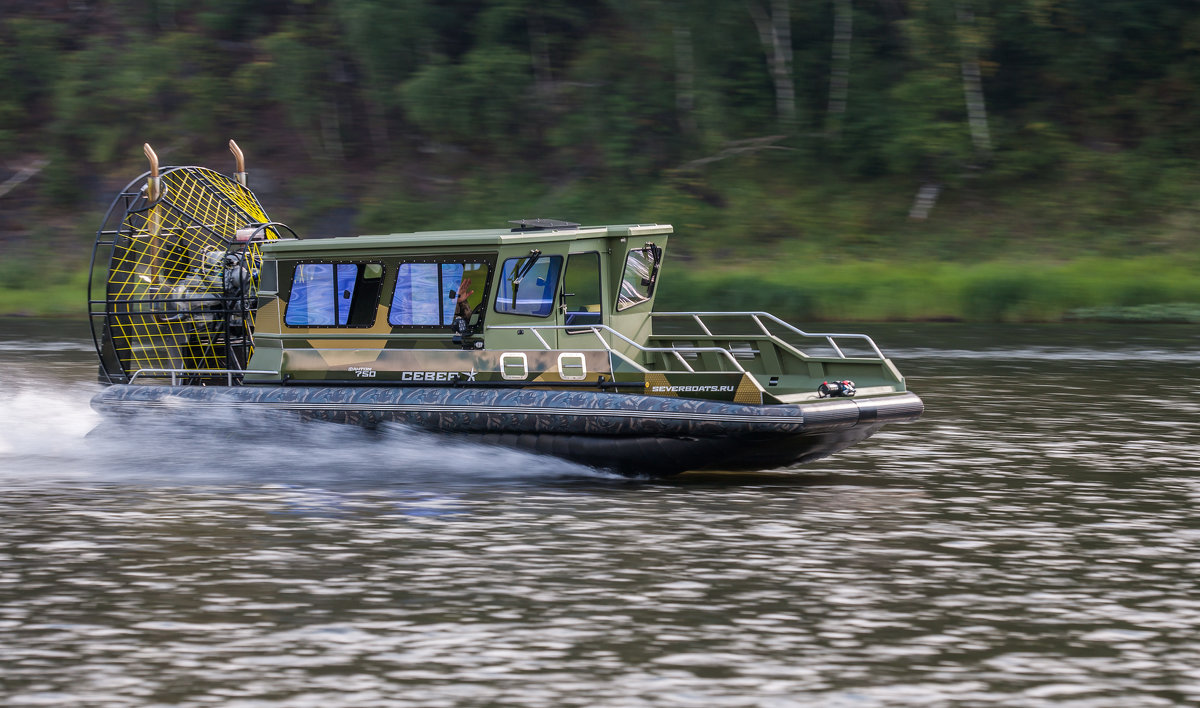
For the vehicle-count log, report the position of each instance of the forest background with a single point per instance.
(987, 160)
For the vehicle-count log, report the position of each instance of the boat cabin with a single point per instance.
(544, 303)
(490, 301)
(411, 288)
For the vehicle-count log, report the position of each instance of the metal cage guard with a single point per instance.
(183, 257)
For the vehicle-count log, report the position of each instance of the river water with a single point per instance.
(1032, 541)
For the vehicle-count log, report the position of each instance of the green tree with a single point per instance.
(30, 64)
(387, 41)
(306, 77)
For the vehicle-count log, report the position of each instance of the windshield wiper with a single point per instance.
(522, 271)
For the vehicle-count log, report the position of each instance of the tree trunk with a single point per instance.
(839, 77)
(972, 81)
(775, 33)
(923, 203)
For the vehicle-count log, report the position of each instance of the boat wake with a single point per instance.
(48, 432)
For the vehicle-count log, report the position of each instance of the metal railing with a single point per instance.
(598, 329)
(757, 317)
(229, 374)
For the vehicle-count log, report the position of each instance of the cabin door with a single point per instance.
(581, 302)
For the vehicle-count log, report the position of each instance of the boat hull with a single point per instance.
(630, 434)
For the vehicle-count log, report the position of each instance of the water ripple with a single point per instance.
(1031, 542)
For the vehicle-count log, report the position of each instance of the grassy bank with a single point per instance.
(997, 291)
(1101, 237)
(1145, 289)
(63, 296)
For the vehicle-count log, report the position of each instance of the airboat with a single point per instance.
(541, 336)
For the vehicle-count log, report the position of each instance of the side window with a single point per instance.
(527, 285)
(641, 272)
(324, 294)
(581, 289)
(453, 277)
(415, 301)
(428, 294)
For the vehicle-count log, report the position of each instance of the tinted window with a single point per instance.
(527, 285)
(320, 295)
(452, 278)
(427, 294)
(415, 301)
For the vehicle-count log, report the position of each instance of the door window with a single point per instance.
(581, 289)
(527, 285)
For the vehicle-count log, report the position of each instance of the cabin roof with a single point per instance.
(479, 237)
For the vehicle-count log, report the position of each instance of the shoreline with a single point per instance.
(1146, 289)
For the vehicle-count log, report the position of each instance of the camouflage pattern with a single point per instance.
(771, 370)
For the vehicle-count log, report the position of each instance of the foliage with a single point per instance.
(617, 87)
(29, 67)
(477, 102)
(423, 114)
(991, 291)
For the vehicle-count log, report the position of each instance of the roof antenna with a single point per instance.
(240, 159)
